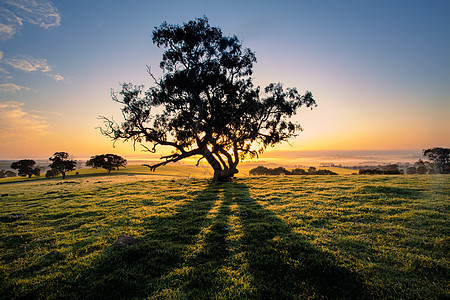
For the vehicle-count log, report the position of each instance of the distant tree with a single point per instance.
(260, 170)
(391, 169)
(421, 167)
(7, 173)
(107, 161)
(279, 171)
(298, 171)
(50, 174)
(324, 172)
(26, 167)
(206, 102)
(373, 171)
(411, 170)
(61, 163)
(312, 170)
(440, 157)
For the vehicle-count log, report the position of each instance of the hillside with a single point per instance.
(307, 237)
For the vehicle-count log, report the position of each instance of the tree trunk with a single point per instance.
(220, 173)
(224, 175)
(63, 175)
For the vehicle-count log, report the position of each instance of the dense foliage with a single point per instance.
(207, 103)
(26, 167)
(106, 161)
(390, 169)
(440, 157)
(261, 170)
(61, 163)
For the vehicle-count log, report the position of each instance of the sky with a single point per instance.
(379, 70)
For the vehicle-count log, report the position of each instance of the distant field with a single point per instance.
(351, 237)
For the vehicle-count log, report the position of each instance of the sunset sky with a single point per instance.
(379, 70)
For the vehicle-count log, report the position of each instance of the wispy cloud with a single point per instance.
(57, 77)
(37, 12)
(11, 87)
(16, 122)
(29, 64)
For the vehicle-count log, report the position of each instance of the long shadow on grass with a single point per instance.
(285, 266)
(139, 270)
(203, 277)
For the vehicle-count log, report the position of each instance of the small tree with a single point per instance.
(312, 170)
(4, 174)
(107, 161)
(421, 168)
(206, 103)
(61, 163)
(411, 170)
(440, 157)
(25, 167)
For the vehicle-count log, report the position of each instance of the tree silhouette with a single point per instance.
(421, 168)
(25, 167)
(440, 157)
(61, 163)
(106, 161)
(206, 102)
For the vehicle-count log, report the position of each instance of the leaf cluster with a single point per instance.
(440, 157)
(61, 163)
(106, 161)
(26, 167)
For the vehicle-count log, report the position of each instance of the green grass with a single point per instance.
(166, 172)
(350, 237)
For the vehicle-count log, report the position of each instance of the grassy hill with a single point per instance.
(256, 237)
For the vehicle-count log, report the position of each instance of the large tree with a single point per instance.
(61, 163)
(107, 161)
(26, 167)
(206, 103)
(440, 157)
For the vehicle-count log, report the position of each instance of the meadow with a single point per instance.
(279, 237)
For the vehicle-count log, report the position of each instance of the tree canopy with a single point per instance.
(61, 163)
(26, 167)
(440, 157)
(106, 161)
(207, 105)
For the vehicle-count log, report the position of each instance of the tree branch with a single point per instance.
(174, 158)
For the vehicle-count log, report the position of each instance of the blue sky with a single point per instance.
(380, 70)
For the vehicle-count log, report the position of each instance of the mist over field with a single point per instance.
(284, 158)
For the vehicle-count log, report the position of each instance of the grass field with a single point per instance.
(354, 237)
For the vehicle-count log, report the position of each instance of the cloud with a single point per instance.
(57, 77)
(29, 64)
(11, 87)
(16, 123)
(37, 12)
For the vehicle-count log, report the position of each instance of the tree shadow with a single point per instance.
(203, 280)
(280, 263)
(285, 266)
(138, 270)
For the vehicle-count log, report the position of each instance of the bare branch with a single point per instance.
(198, 161)
(174, 158)
(149, 71)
